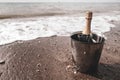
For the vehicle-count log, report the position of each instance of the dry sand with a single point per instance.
(48, 58)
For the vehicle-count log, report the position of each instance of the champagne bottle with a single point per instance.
(86, 35)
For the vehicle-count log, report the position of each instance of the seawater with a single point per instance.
(13, 29)
(69, 7)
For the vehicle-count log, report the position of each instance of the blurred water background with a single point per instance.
(42, 9)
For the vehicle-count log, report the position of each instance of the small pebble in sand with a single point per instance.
(38, 55)
(108, 48)
(0, 73)
(37, 70)
(45, 69)
(115, 40)
(87, 79)
(71, 69)
(84, 52)
(68, 67)
(75, 72)
(39, 41)
(114, 50)
(39, 64)
(2, 61)
(106, 58)
(10, 48)
(70, 58)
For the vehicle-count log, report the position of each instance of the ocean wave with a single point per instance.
(27, 29)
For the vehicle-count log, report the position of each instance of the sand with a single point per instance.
(49, 58)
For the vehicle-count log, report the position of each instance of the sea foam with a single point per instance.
(22, 29)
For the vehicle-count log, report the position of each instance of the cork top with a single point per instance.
(89, 15)
(87, 29)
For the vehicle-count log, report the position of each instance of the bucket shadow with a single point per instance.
(107, 72)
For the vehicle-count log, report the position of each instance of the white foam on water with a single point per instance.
(21, 29)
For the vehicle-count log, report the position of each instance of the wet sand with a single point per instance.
(48, 59)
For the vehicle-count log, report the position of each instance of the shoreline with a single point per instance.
(46, 26)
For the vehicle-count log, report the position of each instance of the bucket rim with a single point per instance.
(79, 32)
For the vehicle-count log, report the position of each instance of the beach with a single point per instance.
(39, 47)
(47, 59)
